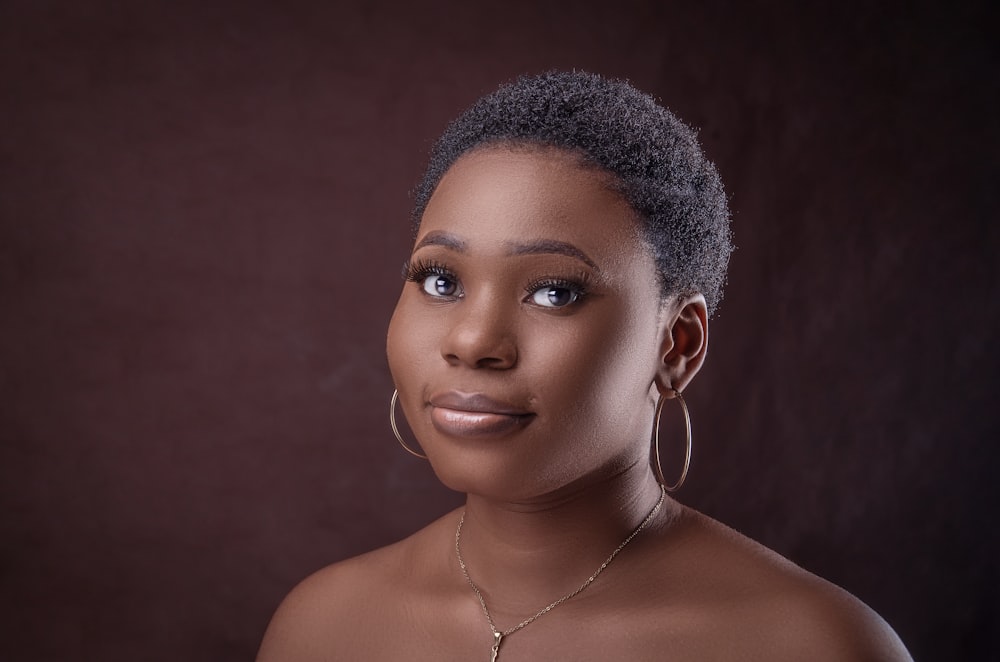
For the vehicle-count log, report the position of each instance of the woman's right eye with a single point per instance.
(439, 285)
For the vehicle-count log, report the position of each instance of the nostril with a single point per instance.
(499, 362)
(476, 348)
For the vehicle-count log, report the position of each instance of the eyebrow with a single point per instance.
(540, 246)
(552, 246)
(438, 238)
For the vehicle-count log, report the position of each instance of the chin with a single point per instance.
(487, 477)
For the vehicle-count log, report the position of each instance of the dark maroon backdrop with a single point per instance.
(203, 212)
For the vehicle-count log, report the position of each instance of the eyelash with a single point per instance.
(577, 286)
(420, 270)
(416, 272)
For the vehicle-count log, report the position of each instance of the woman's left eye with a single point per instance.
(551, 296)
(440, 285)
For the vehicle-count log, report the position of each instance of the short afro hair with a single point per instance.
(655, 159)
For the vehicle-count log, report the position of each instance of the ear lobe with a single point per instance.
(684, 345)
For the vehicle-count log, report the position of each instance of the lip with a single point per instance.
(460, 414)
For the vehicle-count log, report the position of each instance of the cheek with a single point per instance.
(592, 387)
(614, 388)
(599, 368)
(407, 341)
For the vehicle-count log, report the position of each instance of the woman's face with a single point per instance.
(526, 343)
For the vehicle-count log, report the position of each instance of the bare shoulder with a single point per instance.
(831, 624)
(351, 600)
(313, 614)
(778, 608)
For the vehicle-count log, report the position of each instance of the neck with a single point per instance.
(524, 556)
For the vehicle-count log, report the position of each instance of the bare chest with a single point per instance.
(461, 634)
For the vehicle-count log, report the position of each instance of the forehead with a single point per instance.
(498, 195)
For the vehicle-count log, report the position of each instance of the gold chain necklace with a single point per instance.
(499, 635)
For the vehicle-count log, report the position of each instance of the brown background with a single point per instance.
(203, 213)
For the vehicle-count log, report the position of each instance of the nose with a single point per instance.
(480, 335)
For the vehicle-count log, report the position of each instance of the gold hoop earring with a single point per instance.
(395, 430)
(656, 442)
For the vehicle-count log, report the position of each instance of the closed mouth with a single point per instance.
(459, 414)
(475, 403)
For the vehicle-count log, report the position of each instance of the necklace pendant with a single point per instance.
(496, 646)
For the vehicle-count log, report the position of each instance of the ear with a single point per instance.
(684, 342)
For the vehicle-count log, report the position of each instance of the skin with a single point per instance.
(555, 464)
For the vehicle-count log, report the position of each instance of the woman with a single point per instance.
(572, 241)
